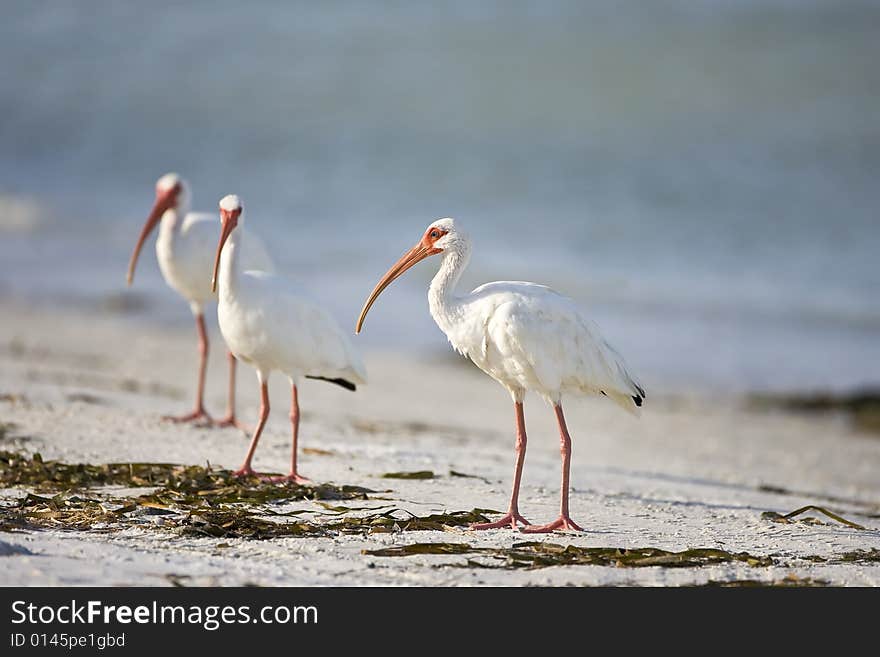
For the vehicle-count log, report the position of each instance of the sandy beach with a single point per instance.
(692, 472)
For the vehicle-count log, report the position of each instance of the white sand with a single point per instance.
(685, 475)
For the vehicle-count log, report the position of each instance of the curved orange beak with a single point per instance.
(229, 221)
(416, 254)
(164, 201)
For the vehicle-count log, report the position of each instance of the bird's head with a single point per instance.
(442, 236)
(171, 192)
(230, 211)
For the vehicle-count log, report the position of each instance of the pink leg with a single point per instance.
(564, 520)
(230, 420)
(198, 412)
(245, 470)
(294, 476)
(513, 516)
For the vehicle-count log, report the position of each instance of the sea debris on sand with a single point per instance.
(773, 516)
(181, 484)
(418, 474)
(532, 555)
(789, 581)
(225, 520)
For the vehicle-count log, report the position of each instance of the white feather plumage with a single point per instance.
(525, 336)
(273, 324)
(185, 250)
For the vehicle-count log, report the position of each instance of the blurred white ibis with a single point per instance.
(271, 324)
(526, 337)
(185, 251)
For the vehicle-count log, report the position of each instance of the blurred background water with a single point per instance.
(703, 176)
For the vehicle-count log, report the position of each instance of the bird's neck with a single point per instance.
(172, 219)
(444, 304)
(230, 263)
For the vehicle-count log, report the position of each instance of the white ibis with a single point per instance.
(271, 324)
(185, 251)
(526, 337)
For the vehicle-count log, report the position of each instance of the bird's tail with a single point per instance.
(345, 383)
(631, 397)
(626, 402)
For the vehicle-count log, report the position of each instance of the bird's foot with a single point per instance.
(563, 522)
(231, 421)
(292, 478)
(244, 471)
(509, 520)
(199, 416)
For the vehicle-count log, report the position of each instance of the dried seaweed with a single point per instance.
(192, 499)
(197, 515)
(71, 513)
(317, 451)
(202, 501)
(12, 521)
(76, 513)
(20, 470)
(789, 581)
(418, 474)
(341, 508)
(422, 548)
(455, 473)
(222, 487)
(235, 523)
(856, 556)
(787, 518)
(178, 581)
(180, 484)
(779, 490)
(390, 521)
(228, 521)
(85, 398)
(533, 555)
(859, 556)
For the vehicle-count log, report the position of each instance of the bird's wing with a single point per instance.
(544, 332)
(203, 226)
(202, 229)
(196, 247)
(303, 329)
(513, 287)
(255, 255)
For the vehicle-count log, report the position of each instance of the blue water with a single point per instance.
(703, 176)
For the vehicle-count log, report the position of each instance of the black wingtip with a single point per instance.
(348, 385)
(637, 400)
